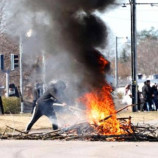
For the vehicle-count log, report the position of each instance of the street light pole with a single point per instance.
(7, 83)
(133, 54)
(21, 75)
(28, 34)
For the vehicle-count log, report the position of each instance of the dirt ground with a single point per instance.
(20, 121)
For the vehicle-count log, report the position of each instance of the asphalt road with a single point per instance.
(77, 149)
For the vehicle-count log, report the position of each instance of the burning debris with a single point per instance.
(102, 130)
(85, 131)
(100, 105)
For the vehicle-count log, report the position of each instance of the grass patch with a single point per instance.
(20, 121)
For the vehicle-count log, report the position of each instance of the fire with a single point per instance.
(102, 63)
(100, 105)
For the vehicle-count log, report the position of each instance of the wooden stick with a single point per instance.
(75, 108)
(118, 112)
(16, 130)
(124, 118)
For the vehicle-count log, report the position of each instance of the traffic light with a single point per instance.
(14, 61)
(1, 62)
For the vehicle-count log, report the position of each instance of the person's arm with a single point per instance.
(56, 99)
(52, 92)
(129, 93)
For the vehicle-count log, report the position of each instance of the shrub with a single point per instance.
(11, 105)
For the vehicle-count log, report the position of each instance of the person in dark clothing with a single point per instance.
(139, 100)
(155, 96)
(1, 105)
(1, 102)
(143, 93)
(36, 95)
(147, 96)
(44, 106)
(13, 91)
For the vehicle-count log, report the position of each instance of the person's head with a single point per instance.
(60, 85)
(36, 85)
(148, 82)
(12, 85)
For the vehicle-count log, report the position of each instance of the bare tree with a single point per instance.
(148, 56)
(3, 13)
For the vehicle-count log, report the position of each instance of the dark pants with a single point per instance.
(1, 105)
(40, 110)
(147, 105)
(139, 105)
(155, 101)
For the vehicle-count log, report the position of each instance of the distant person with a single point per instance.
(13, 91)
(155, 96)
(127, 98)
(143, 94)
(41, 89)
(36, 95)
(147, 96)
(139, 100)
(1, 102)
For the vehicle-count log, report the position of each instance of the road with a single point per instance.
(77, 149)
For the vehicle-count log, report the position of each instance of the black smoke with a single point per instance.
(73, 30)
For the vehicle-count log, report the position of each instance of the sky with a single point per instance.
(119, 18)
(118, 21)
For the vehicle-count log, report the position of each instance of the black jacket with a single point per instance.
(147, 92)
(52, 95)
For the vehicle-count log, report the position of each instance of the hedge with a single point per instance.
(11, 105)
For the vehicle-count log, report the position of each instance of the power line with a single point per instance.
(125, 4)
(152, 4)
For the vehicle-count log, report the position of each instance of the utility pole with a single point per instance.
(134, 54)
(116, 64)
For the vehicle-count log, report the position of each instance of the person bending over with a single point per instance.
(54, 94)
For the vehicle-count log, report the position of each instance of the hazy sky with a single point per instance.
(119, 19)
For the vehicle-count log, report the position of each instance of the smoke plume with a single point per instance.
(71, 32)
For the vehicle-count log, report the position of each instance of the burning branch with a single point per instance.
(118, 112)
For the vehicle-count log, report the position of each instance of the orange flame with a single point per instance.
(103, 64)
(100, 105)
